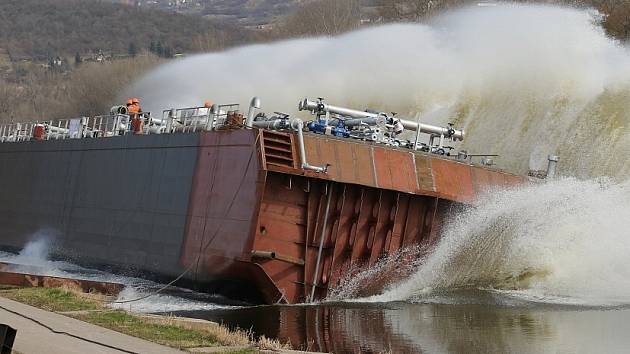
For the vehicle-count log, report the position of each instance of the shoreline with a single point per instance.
(171, 333)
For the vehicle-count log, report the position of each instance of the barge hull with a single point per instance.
(231, 205)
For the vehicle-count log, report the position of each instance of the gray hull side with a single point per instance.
(119, 201)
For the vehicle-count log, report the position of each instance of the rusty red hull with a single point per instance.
(231, 210)
(255, 215)
(9, 275)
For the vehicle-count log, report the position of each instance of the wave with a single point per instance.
(565, 241)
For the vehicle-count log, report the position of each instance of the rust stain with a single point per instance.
(223, 198)
(396, 169)
(453, 180)
(424, 174)
(402, 170)
(32, 280)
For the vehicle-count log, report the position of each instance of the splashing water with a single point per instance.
(34, 259)
(34, 253)
(566, 241)
(175, 299)
(359, 281)
(523, 80)
(165, 302)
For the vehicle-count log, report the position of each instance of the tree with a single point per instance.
(152, 47)
(168, 52)
(77, 59)
(158, 49)
(41, 28)
(132, 51)
(414, 10)
(324, 17)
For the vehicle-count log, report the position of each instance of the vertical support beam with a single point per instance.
(384, 224)
(357, 213)
(321, 240)
(376, 211)
(400, 219)
(337, 205)
(413, 224)
(364, 219)
(432, 235)
(314, 213)
(341, 256)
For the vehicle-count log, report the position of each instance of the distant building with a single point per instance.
(265, 27)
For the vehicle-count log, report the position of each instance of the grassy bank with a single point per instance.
(168, 331)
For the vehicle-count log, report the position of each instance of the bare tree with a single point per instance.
(210, 41)
(616, 20)
(414, 10)
(41, 94)
(323, 18)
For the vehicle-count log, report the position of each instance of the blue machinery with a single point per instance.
(377, 127)
(372, 126)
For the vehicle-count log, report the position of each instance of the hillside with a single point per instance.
(250, 12)
(42, 29)
(244, 12)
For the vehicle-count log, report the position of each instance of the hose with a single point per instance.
(202, 248)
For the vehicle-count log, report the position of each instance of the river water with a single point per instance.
(437, 321)
(476, 325)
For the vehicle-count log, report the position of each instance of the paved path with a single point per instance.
(32, 338)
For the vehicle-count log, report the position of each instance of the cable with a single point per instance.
(66, 333)
(201, 249)
(155, 292)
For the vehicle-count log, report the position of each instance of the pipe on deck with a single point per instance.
(253, 106)
(372, 118)
(298, 126)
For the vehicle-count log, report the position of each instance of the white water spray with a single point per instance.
(34, 259)
(566, 241)
(37, 251)
(524, 80)
(34, 253)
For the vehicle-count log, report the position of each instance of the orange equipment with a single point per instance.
(207, 104)
(39, 131)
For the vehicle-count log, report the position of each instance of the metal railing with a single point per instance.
(106, 126)
(194, 119)
(183, 120)
(223, 112)
(189, 119)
